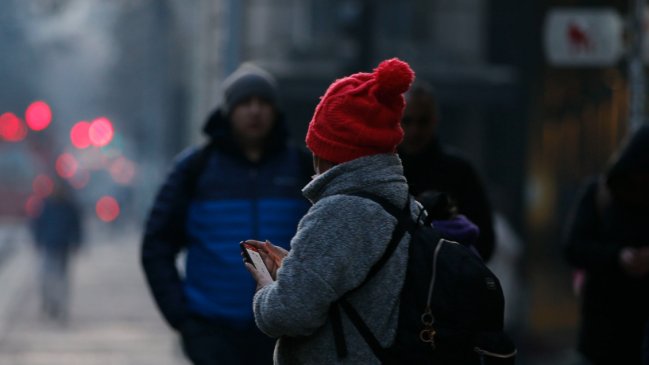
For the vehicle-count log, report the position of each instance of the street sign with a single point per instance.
(583, 37)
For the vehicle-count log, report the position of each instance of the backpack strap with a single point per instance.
(405, 223)
(337, 329)
(365, 331)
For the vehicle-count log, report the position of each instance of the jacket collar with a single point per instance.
(369, 173)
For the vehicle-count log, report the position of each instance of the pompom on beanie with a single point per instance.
(360, 115)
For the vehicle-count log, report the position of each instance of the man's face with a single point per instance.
(252, 120)
(418, 125)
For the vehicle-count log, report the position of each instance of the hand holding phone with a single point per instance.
(252, 256)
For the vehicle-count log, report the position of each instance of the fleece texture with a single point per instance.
(336, 244)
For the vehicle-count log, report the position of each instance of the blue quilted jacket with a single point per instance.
(206, 211)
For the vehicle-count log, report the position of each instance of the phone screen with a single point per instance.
(253, 256)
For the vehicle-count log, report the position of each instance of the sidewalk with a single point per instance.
(113, 320)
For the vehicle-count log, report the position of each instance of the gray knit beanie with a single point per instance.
(247, 81)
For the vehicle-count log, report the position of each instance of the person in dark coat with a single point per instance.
(57, 235)
(607, 239)
(246, 182)
(430, 166)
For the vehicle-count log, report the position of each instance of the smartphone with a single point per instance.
(252, 256)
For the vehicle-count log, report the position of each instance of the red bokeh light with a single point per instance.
(33, 206)
(122, 171)
(107, 208)
(66, 165)
(12, 128)
(43, 185)
(80, 179)
(38, 115)
(101, 132)
(79, 135)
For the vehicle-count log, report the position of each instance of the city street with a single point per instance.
(113, 320)
(524, 124)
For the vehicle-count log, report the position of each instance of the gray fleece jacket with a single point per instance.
(336, 244)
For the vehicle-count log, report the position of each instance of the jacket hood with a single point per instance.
(632, 158)
(219, 131)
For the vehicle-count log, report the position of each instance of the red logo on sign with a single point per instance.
(579, 38)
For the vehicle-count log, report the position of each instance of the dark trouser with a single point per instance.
(209, 343)
(54, 282)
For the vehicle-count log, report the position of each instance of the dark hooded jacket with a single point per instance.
(212, 199)
(614, 305)
(440, 169)
(57, 229)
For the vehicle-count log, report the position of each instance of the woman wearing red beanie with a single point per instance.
(353, 137)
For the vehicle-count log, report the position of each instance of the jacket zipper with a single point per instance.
(427, 335)
(432, 280)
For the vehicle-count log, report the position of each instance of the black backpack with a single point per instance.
(451, 305)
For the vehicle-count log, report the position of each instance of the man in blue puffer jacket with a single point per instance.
(245, 183)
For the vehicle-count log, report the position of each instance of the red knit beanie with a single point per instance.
(360, 115)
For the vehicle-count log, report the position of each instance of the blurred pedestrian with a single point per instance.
(607, 239)
(353, 136)
(431, 166)
(57, 234)
(246, 182)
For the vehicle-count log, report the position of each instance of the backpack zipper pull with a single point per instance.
(427, 335)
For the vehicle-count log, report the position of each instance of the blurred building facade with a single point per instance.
(481, 69)
(579, 118)
(534, 130)
(91, 59)
(154, 68)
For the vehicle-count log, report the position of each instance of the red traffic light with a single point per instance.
(43, 185)
(100, 132)
(38, 115)
(107, 208)
(12, 128)
(79, 135)
(66, 165)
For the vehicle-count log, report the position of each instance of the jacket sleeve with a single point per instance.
(330, 255)
(584, 246)
(164, 237)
